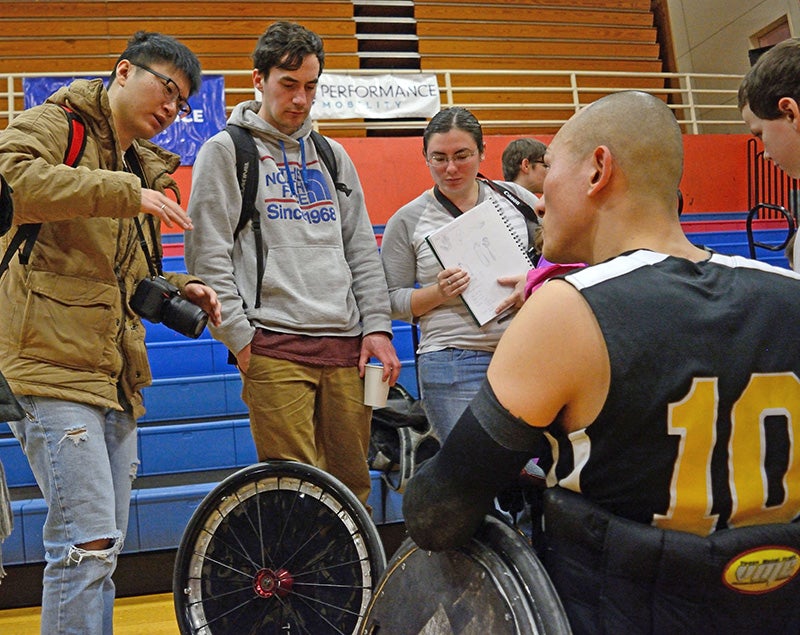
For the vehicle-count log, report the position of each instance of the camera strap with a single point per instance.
(153, 263)
(524, 209)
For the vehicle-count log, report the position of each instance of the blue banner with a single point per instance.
(184, 137)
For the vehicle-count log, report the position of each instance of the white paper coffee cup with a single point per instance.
(376, 391)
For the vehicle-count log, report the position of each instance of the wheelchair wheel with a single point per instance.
(495, 584)
(278, 547)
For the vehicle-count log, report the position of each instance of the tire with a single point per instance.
(278, 547)
(495, 584)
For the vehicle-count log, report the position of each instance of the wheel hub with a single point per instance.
(268, 583)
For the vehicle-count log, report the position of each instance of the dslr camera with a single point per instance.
(156, 300)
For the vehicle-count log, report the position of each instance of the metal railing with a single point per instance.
(506, 100)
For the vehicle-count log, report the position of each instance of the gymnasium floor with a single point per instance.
(138, 615)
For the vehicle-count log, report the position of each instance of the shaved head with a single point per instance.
(642, 134)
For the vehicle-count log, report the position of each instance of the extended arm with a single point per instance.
(450, 494)
(551, 367)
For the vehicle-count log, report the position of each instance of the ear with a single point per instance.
(123, 72)
(602, 166)
(258, 81)
(789, 109)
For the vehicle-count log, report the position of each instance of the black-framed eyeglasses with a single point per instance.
(171, 91)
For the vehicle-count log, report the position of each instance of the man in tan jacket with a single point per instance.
(71, 346)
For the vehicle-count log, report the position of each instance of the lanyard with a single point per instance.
(446, 202)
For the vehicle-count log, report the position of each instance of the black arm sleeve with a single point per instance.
(446, 500)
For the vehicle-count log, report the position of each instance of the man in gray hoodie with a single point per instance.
(302, 341)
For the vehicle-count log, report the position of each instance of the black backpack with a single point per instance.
(247, 161)
(400, 438)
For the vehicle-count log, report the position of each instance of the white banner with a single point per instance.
(341, 96)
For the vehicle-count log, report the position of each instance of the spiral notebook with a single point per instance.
(482, 243)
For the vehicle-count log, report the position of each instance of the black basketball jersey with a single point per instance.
(701, 427)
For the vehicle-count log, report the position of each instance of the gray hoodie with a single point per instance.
(323, 274)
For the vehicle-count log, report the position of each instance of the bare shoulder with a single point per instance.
(552, 360)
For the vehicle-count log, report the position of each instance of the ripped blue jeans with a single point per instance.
(84, 459)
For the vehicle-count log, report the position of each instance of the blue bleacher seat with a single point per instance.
(200, 397)
(188, 447)
(196, 421)
(15, 464)
(164, 512)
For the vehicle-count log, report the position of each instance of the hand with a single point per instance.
(163, 207)
(517, 297)
(452, 282)
(379, 345)
(206, 298)
(243, 359)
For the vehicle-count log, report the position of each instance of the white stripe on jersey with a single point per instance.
(627, 263)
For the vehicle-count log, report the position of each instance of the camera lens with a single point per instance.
(184, 317)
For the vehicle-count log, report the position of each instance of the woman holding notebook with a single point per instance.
(454, 349)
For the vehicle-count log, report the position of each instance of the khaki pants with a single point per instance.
(311, 414)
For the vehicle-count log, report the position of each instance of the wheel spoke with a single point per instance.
(241, 550)
(224, 565)
(219, 596)
(312, 603)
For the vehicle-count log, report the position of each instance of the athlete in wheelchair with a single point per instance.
(660, 388)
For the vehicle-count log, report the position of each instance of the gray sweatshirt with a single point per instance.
(323, 274)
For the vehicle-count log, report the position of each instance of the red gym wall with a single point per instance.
(393, 172)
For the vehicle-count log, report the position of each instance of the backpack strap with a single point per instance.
(247, 161)
(325, 152)
(76, 141)
(29, 232)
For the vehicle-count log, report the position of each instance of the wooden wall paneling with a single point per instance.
(534, 31)
(145, 9)
(249, 30)
(430, 12)
(87, 36)
(269, 11)
(609, 5)
(512, 48)
(432, 62)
